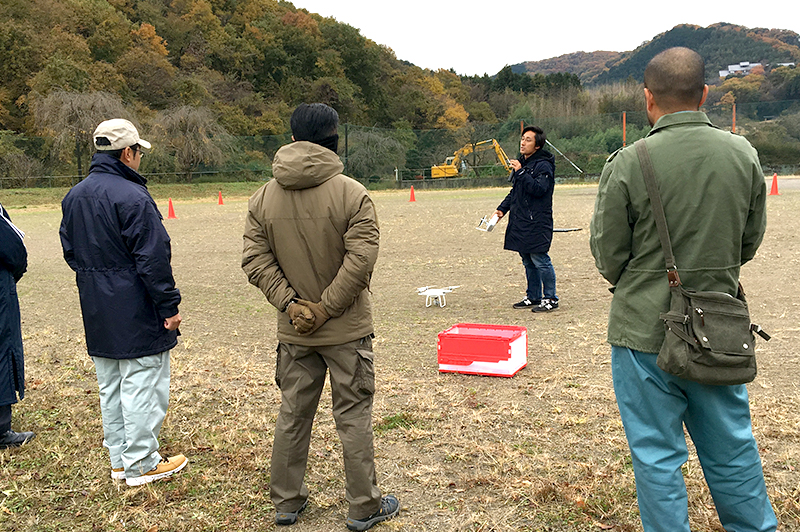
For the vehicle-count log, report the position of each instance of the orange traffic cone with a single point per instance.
(171, 211)
(412, 194)
(220, 198)
(774, 191)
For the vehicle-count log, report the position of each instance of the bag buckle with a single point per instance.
(673, 277)
(759, 331)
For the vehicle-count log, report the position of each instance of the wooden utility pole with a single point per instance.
(624, 122)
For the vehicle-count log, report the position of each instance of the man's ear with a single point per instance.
(705, 95)
(292, 138)
(648, 98)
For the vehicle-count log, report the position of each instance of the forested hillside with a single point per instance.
(213, 83)
(248, 61)
(720, 45)
(585, 65)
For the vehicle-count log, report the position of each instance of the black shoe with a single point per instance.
(546, 305)
(15, 439)
(527, 303)
(390, 506)
(289, 518)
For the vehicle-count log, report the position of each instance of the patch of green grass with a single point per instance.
(527, 447)
(447, 505)
(401, 420)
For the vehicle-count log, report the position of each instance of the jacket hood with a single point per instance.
(303, 164)
(106, 164)
(540, 154)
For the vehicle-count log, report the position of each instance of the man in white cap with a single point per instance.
(113, 237)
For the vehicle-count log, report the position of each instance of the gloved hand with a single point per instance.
(301, 317)
(320, 316)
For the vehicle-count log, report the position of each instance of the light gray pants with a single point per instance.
(134, 395)
(300, 374)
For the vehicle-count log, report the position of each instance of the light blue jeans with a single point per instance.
(655, 406)
(134, 395)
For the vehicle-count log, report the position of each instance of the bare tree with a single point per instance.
(373, 153)
(71, 118)
(194, 137)
(17, 170)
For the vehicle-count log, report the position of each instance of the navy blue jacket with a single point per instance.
(13, 263)
(530, 202)
(113, 237)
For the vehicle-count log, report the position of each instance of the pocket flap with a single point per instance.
(721, 323)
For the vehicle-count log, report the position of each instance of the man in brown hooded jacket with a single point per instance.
(310, 244)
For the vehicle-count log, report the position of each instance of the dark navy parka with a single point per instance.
(530, 202)
(13, 263)
(113, 237)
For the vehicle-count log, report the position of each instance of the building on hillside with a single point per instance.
(745, 67)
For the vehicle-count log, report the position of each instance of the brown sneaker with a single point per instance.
(118, 473)
(166, 468)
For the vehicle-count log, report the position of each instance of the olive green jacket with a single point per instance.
(312, 233)
(713, 190)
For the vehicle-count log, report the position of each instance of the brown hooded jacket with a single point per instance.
(312, 233)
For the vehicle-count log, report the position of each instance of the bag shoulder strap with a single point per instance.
(658, 211)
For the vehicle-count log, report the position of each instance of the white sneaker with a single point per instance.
(166, 468)
(118, 473)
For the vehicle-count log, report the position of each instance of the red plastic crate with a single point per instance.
(478, 349)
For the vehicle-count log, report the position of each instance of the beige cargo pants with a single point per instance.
(300, 374)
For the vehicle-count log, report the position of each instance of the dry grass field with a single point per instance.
(542, 451)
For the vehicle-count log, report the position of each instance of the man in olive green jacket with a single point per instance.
(310, 244)
(713, 191)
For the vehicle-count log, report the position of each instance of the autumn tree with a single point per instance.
(744, 88)
(481, 112)
(146, 67)
(363, 62)
(20, 56)
(785, 83)
(423, 101)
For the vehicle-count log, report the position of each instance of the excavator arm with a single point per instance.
(452, 165)
(481, 146)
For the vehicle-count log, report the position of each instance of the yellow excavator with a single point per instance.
(456, 165)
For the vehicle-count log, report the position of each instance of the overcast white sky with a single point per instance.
(477, 37)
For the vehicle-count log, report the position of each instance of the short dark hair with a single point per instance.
(117, 154)
(314, 122)
(676, 77)
(538, 134)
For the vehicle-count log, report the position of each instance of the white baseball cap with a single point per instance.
(117, 134)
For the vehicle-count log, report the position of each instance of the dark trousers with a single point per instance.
(541, 276)
(5, 418)
(300, 374)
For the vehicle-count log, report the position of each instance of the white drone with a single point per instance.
(435, 296)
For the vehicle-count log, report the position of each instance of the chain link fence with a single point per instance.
(384, 158)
